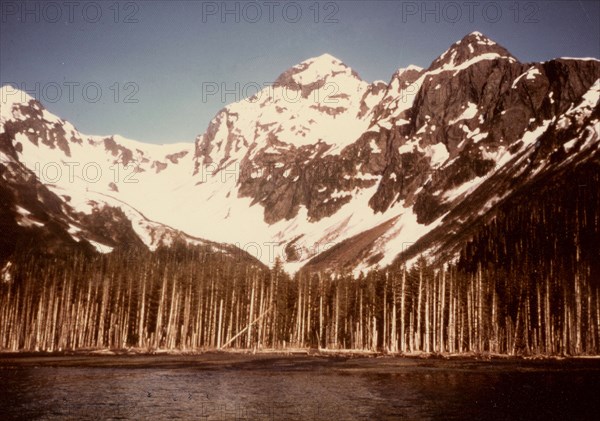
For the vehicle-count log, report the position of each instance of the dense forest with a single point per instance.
(528, 283)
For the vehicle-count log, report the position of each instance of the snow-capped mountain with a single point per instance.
(323, 169)
(60, 188)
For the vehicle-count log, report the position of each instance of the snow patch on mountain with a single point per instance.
(318, 68)
(469, 112)
(319, 112)
(25, 219)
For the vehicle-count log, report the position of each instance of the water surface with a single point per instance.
(212, 387)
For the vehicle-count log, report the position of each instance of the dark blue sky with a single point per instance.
(149, 60)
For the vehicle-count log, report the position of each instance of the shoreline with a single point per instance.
(290, 352)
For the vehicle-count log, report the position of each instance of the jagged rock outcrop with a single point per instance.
(325, 169)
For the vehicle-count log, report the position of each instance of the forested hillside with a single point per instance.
(528, 283)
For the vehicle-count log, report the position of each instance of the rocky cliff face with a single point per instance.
(432, 137)
(326, 170)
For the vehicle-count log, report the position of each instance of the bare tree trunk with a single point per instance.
(403, 312)
(419, 337)
(394, 334)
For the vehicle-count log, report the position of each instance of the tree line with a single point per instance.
(168, 300)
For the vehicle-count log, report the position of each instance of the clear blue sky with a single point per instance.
(167, 50)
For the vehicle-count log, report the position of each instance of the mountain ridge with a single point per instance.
(323, 157)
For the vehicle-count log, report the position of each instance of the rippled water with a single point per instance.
(267, 387)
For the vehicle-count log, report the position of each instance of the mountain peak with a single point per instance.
(411, 68)
(478, 38)
(475, 34)
(323, 59)
(469, 47)
(316, 70)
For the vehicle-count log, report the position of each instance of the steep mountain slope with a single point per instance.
(48, 188)
(327, 171)
(501, 123)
